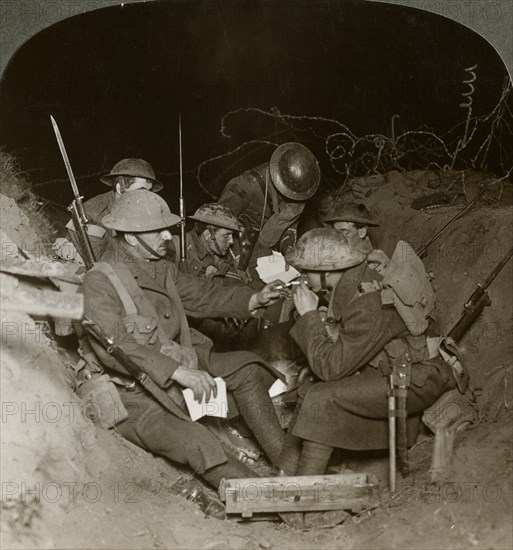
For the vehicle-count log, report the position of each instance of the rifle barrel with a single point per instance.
(182, 201)
(498, 267)
(421, 251)
(180, 153)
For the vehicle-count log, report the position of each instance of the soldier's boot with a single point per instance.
(288, 462)
(258, 411)
(231, 469)
(208, 502)
(314, 461)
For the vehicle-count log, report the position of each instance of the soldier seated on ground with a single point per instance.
(350, 356)
(141, 300)
(209, 245)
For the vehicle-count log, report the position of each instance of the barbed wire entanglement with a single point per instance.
(483, 142)
(479, 142)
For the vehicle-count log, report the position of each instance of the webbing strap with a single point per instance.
(115, 281)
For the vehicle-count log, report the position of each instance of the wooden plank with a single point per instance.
(41, 268)
(44, 302)
(300, 493)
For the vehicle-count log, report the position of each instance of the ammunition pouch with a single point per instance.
(415, 347)
(102, 403)
(141, 327)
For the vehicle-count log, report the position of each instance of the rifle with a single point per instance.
(76, 207)
(183, 249)
(133, 369)
(478, 301)
(471, 311)
(423, 248)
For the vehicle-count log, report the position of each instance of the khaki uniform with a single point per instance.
(202, 262)
(347, 406)
(149, 424)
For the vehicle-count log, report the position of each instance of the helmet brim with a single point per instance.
(352, 219)
(208, 221)
(111, 222)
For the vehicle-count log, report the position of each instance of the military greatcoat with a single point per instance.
(347, 406)
(149, 424)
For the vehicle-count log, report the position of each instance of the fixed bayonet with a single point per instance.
(76, 207)
(183, 249)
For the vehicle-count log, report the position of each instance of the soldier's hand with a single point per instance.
(199, 381)
(270, 294)
(304, 299)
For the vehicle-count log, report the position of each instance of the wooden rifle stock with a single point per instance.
(478, 301)
(78, 215)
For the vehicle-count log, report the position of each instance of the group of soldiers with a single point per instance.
(185, 323)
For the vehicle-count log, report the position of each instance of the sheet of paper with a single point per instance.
(277, 388)
(216, 406)
(270, 268)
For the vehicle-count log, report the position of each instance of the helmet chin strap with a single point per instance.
(324, 287)
(146, 246)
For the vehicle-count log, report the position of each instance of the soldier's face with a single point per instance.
(224, 239)
(156, 240)
(353, 235)
(315, 281)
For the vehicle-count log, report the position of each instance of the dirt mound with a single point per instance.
(48, 443)
(15, 189)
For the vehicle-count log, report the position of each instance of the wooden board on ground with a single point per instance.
(44, 302)
(355, 492)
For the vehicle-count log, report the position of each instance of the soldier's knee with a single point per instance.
(255, 374)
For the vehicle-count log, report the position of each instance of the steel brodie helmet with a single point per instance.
(323, 249)
(218, 215)
(139, 211)
(135, 168)
(348, 212)
(295, 171)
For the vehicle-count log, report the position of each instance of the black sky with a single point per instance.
(115, 80)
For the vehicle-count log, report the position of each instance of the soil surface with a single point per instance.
(67, 483)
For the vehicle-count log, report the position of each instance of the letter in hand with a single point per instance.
(200, 382)
(305, 299)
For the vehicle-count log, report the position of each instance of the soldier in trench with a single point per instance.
(350, 355)
(144, 305)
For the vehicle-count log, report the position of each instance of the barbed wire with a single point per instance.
(344, 155)
(465, 146)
